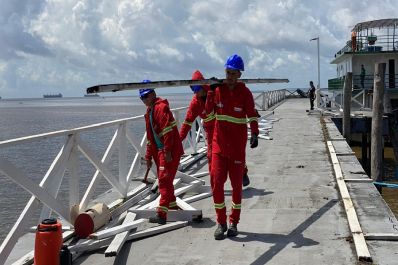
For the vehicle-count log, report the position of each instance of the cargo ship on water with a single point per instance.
(59, 95)
(91, 96)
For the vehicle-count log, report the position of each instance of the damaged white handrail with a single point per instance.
(45, 194)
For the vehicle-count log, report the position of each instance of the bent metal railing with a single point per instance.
(46, 193)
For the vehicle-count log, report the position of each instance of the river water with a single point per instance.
(24, 117)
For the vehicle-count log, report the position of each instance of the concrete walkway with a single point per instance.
(291, 212)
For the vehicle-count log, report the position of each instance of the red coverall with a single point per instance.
(165, 127)
(233, 109)
(197, 108)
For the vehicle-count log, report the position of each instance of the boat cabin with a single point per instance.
(371, 42)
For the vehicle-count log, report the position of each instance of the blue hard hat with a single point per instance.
(235, 62)
(196, 88)
(144, 91)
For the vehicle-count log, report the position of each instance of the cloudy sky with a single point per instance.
(67, 45)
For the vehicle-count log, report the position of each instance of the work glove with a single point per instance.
(148, 163)
(253, 141)
(215, 85)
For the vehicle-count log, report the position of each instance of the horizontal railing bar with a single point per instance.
(30, 138)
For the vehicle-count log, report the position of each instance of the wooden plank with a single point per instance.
(201, 174)
(353, 222)
(172, 216)
(345, 154)
(359, 180)
(146, 201)
(382, 236)
(116, 229)
(187, 188)
(187, 178)
(151, 205)
(197, 197)
(184, 205)
(130, 202)
(118, 241)
(90, 245)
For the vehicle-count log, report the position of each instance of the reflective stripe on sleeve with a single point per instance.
(209, 117)
(250, 119)
(168, 128)
(187, 123)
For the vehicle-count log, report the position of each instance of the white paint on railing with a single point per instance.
(67, 159)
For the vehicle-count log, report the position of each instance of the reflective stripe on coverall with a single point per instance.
(233, 109)
(165, 127)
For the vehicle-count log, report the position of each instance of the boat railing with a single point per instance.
(371, 43)
(118, 162)
(362, 89)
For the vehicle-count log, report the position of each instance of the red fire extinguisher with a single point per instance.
(48, 242)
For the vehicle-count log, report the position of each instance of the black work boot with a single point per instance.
(245, 180)
(219, 233)
(232, 230)
(157, 219)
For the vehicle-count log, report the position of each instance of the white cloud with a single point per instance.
(68, 45)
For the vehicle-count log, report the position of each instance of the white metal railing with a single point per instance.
(270, 98)
(46, 193)
(360, 100)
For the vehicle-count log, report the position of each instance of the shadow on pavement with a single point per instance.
(250, 192)
(281, 241)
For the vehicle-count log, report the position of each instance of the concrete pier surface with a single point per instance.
(292, 212)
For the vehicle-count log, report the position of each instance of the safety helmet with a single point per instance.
(145, 91)
(197, 75)
(235, 62)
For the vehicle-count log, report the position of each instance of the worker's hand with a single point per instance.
(253, 141)
(168, 157)
(148, 163)
(215, 85)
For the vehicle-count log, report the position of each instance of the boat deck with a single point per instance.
(292, 212)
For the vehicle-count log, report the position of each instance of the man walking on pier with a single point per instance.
(197, 108)
(164, 146)
(233, 105)
(311, 94)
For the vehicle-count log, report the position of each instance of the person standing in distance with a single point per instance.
(233, 105)
(362, 76)
(311, 94)
(164, 146)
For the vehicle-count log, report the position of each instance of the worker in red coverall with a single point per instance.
(197, 108)
(233, 105)
(164, 146)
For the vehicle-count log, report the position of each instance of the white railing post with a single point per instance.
(74, 177)
(122, 141)
(56, 173)
(263, 101)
